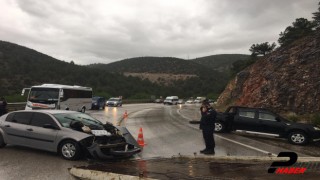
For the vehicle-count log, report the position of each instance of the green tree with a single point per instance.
(300, 28)
(240, 65)
(316, 17)
(262, 49)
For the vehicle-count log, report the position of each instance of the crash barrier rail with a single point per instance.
(16, 106)
(134, 101)
(21, 105)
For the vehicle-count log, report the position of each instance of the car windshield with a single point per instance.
(66, 118)
(114, 99)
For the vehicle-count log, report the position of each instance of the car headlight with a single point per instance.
(316, 128)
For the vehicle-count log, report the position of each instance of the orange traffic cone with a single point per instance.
(140, 138)
(125, 115)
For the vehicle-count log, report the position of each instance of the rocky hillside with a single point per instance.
(286, 80)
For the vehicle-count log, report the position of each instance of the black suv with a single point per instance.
(98, 102)
(265, 122)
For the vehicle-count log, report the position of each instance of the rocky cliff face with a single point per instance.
(286, 80)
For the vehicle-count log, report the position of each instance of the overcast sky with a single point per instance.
(104, 31)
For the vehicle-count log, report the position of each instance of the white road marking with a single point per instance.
(230, 140)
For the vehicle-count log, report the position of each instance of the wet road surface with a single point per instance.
(196, 168)
(167, 132)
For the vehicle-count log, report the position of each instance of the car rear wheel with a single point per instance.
(219, 127)
(2, 143)
(70, 150)
(298, 138)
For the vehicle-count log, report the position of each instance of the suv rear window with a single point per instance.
(246, 113)
(267, 116)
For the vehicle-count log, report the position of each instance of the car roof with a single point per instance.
(253, 108)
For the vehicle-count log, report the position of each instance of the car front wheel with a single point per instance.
(298, 138)
(219, 127)
(2, 143)
(70, 150)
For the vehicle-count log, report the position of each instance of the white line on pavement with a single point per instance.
(230, 140)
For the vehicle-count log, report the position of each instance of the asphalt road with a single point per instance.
(167, 132)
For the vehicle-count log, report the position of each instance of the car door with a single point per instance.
(246, 119)
(270, 124)
(15, 127)
(40, 137)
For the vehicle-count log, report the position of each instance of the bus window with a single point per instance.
(43, 94)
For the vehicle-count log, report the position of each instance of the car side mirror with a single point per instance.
(49, 126)
(278, 119)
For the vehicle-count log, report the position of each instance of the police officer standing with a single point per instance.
(3, 106)
(208, 116)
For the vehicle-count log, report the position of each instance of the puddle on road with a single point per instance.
(178, 168)
(192, 168)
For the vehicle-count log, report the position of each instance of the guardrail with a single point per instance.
(16, 106)
(134, 101)
(21, 105)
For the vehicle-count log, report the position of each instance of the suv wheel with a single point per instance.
(70, 150)
(2, 143)
(219, 127)
(298, 138)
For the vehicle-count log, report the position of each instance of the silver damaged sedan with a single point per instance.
(71, 134)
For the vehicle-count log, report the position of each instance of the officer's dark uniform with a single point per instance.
(3, 106)
(207, 126)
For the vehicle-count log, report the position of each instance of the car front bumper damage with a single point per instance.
(115, 150)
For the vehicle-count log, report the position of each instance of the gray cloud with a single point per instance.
(109, 30)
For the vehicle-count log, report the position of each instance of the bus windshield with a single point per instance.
(44, 95)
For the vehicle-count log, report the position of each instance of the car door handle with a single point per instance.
(7, 126)
(29, 129)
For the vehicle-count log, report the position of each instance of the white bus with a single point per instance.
(57, 96)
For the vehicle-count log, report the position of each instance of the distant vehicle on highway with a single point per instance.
(199, 99)
(265, 122)
(171, 100)
(69, 133)
(98, 103)
(158, 101)
(190, 101)
(180, 101)
(58, 96)
(114, 102)
(210, 101)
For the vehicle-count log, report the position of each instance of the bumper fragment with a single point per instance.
(108, 151)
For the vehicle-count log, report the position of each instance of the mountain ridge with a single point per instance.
(22, 67)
